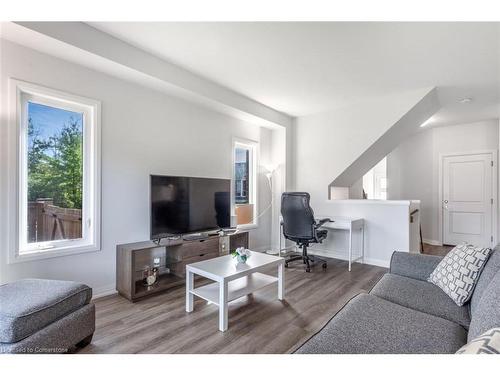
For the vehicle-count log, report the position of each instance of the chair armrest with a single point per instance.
(415, 266)
(322, 222)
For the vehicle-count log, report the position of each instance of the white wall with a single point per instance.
(356, 190)
(279, 180)
(143, 132)
(327, 144)
(409, 174)
(413, 167)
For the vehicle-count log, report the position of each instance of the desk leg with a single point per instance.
(363, 244)
(189, 289)
(350, 248)
(223, 309)
(279, 250)
(281, 281)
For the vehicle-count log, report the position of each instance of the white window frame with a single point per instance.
(20, 93)
(253, 147)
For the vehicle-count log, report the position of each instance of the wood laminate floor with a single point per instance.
(258, 323)
(436, 250)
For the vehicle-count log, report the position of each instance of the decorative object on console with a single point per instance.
(241, 254)
(459, 270)
(150, 276)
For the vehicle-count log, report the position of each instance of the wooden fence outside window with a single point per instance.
(47, 222)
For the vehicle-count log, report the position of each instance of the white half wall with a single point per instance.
(143, 132)
(413, 167)
(387, 229)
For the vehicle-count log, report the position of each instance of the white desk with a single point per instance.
(352, 225)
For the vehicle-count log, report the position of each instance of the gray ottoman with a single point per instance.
(45, 316)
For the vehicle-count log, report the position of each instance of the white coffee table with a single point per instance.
(232, 280)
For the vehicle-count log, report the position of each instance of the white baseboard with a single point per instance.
(104, 291)
(432, 242)
(343, 256)
(378, 262)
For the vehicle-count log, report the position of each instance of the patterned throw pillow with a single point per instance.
(459, 270)
(487, 343)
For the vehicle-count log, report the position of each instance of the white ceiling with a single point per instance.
(306, 68)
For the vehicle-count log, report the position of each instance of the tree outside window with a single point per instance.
(55, 173)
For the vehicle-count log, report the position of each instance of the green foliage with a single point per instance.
(55, 166)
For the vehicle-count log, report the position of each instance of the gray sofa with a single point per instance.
(404, 313)
(45, 316)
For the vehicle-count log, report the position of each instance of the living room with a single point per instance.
(249, 187)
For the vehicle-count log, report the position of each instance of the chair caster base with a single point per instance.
(308, 261)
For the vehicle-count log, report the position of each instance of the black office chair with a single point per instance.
(300, 226)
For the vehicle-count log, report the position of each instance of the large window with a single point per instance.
(58, 173)
(245, 188)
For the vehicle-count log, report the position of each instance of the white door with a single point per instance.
(468, 199)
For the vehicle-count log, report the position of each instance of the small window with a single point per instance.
(375, 181)
(244, 156)
(59, 185)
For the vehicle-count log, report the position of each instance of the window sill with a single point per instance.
(28, 256)
(247, 226)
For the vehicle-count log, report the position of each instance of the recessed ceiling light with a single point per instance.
(465, 100)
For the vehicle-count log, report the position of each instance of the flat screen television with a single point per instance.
(181, 205)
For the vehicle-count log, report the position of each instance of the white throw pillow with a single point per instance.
(459, 270)
(487, 343)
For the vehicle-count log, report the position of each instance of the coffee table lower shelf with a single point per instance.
(236, 288)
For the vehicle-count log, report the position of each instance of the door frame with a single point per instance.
(494, 181)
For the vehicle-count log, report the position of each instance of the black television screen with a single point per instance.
(188, 205)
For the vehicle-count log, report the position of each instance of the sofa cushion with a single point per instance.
(27, 306)
(416, 266)
(422, 296)
(369, 324)
(459, 270)
(491, 267)
(487, 313)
